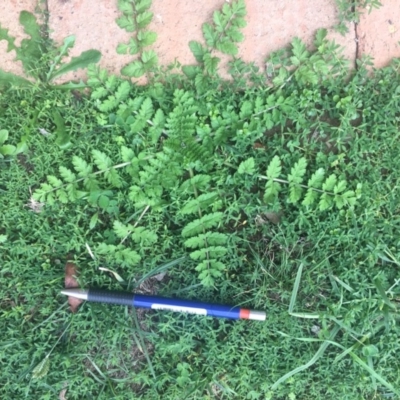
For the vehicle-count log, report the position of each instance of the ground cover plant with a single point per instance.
(275, 190)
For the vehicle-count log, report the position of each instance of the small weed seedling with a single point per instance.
(40, 59)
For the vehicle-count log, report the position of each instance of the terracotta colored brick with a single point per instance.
(271, 25)
(9, 19)
(379, 33)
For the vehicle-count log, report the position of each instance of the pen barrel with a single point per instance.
(189, 306)
(111, 297)
(177, 305)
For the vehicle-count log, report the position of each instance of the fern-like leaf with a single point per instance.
(136, 17)
(247, 167)
(144, 236)
(127, 23)
(54, 181)
(212, 251)
(206, 239)
(81, 166)
(274, 168)
(127, 154)
(143, 19)
(197, 50)
(315, 182)
(199, 225)
(209, 35)
(298, 171)
(325, 202)
(272, 190)
(142, 5)
(199, 203)
(121, 230)
(111, 83)
(158, 125)
(340, 187)
(211, 63)
(224, 33)
(348, 198)
(146, 38)
(119, 255)
(102, 161)
(199, 181)
(99, 93)
(330, 183)
(67, 174)
(246, 109)
(144, 114)
(209, 270)
(295, 178)
(134, 69)
(122, 92)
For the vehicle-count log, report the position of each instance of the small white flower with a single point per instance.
(34, 205)
(44, 132)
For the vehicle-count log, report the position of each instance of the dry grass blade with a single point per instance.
(142, 344)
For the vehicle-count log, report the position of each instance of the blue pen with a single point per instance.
(163, 303)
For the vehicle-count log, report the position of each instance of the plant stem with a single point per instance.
(297, 184)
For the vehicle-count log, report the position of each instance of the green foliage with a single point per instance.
(68, 188)
(222, 35)
(247, 167)
(135, 18)
(40, 59)
(6, 149)
(349, 11)
(178, 171)
(305, 67)
(332, 193)
(200, 237)
(118, 255)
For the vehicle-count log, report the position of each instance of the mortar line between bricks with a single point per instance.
(356, 41)
(46, 15)
(353, 10)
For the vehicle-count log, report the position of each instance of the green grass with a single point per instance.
(348, 279)
(328, 277)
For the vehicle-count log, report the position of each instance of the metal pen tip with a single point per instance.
(76, 292)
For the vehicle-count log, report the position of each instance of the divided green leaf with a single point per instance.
(274, 168)
(247, 167)
(199, 225)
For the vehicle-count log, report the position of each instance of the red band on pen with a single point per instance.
(244, 313)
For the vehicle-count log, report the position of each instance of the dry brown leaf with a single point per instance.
(258, 145)
(63, 392)
(274, 217)
(70, 282)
